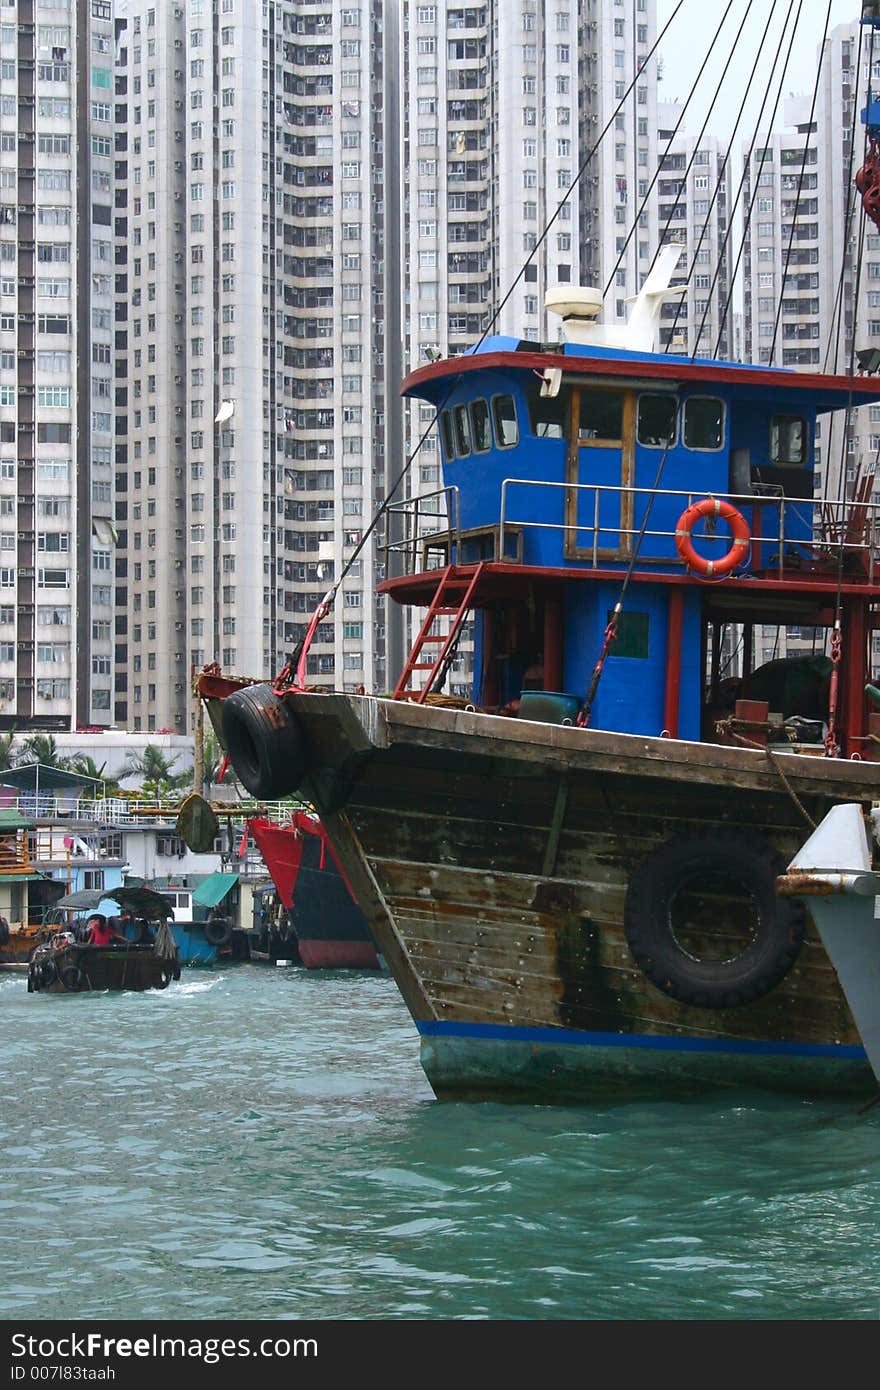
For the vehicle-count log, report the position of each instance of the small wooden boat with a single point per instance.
(64, 965)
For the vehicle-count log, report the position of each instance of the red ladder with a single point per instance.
(440, 607)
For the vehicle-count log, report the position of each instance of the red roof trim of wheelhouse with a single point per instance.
(665, 369)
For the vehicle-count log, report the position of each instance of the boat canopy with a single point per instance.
(214, 889)
(41, 777)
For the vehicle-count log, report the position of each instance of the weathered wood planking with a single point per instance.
(449, 828)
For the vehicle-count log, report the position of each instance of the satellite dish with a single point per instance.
(226, 412)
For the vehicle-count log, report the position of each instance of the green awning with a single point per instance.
(11, 820)
(214, 889)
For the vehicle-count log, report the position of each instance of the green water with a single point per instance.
(260, 1143)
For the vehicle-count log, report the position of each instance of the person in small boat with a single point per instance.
(100, 933)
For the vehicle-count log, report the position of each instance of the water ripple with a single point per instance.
(261, 1144)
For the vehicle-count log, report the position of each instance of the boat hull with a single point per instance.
(331, 930)
(492, 859)
(77, 969)
(540, 1064)
(192, 945)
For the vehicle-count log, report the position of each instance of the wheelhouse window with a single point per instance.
(657, 421)
(789, 437)
(481, 427)
(447, 435)
(601, 415)
(703, 423)
(504, 420)
(462, 431)
(548, 415)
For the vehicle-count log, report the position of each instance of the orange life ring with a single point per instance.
(712, 506)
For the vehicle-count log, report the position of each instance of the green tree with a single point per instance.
(212, 758)
(41, 748)
(86, 766)
(155, 770)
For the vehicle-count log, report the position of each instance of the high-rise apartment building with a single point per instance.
(251, 222)
(57, 393)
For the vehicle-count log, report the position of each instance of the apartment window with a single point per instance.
(53, 396)
(53, 144)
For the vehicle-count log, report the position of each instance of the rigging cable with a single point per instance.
(644, 202)
(295, 664)
(747, 165)
(582, 168)
(800, 184)
(610, 634)
(832, 748)
(722, 167)
(834, 334)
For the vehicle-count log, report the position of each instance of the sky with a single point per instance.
(690, 36)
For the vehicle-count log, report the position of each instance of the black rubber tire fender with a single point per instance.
(265, 744)
(218, 932)
(735, 856)
(71, 977)
(4, 931)
(47, 973)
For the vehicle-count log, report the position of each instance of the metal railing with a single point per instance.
(420, 528)
(128, 811)
(786, 531)
(858, 528)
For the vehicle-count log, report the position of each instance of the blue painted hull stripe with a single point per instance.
(567, 1037)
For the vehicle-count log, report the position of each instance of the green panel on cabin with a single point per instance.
(632, 635)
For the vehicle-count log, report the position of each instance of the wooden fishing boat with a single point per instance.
(63, 965)
(573, 907)
(571, 870)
